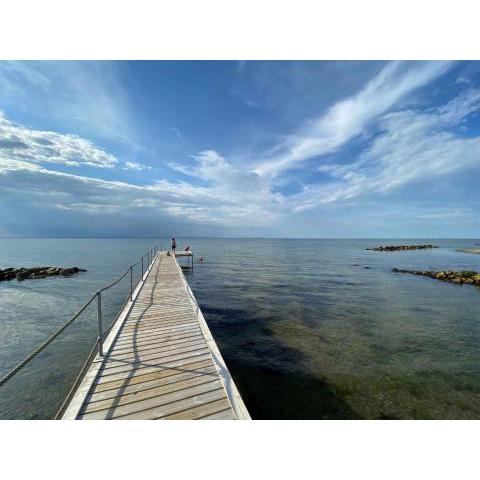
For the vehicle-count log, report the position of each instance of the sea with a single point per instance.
(309, 328)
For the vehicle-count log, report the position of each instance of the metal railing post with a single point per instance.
(131, 283)
(142, 269)
(99, 318)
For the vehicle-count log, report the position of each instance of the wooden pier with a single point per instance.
(160, 360)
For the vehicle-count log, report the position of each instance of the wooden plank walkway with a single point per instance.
(161, 361)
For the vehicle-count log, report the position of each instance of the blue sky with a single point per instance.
(240, 148)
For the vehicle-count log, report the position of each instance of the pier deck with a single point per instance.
(161, 361)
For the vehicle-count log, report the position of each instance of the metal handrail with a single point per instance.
(98, 295)
(116, 281)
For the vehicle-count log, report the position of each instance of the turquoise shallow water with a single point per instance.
(308, 328)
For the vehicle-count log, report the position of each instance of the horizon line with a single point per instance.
(237, 238)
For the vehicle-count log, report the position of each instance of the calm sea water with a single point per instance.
(308, 328)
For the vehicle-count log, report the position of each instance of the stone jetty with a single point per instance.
(394, 248)
(467, 277)
(37, 272)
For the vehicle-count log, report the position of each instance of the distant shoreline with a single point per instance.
(161, 237)
(476, 251)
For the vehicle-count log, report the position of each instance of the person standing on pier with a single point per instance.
(174, 245)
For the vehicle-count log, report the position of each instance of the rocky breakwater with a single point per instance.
(394, 248)
(37, 272)
(467, 277)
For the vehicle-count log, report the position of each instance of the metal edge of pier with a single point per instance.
(228, 384)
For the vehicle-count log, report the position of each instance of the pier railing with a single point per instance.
(145, 262)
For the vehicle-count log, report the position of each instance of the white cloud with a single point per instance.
(136, 166)
(24, 152)
(38, 146)
(234, 198)
(348, 118)
(412, 146)
(241, 187)
(209, 166)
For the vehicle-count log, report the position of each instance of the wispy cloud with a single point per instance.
(139, 167)
(176, 132)
(18, 143)
(348, 118)
(244, 191)
(414, 145)
(233, 198)
(213, 167)
(15, 75)
(84, 95)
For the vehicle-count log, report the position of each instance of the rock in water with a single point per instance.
(36, 272)
(394, 248)
(468, 277)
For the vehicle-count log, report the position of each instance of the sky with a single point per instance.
(240, 148)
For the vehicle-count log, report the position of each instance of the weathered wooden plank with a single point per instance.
(201, 411)
(162, 307)
(162, 411)
(226, 414)
(160, 315)
(101, 378)
(128, 338)
(155, 324)
(165, 380)
(144, 354)
(166, 329)
(156, 402)
(198, 364)
(112, 367)
(163, 362)
(164, 315)
(146, 394)
(133, 341)
(153, 343)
